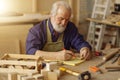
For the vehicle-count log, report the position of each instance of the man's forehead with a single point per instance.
(64, 13)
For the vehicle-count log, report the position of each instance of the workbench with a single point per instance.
(85, 67)
(95, 75)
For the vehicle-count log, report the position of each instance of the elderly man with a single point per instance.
(54, 37)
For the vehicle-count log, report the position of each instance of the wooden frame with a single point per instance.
(9, 61)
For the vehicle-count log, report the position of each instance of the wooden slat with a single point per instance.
(18, 56)
(11, 62)
(119, 61)
(23, 71)
(5, 56)
(12, 76)
(21, 61)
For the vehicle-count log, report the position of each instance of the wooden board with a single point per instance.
(119, 61)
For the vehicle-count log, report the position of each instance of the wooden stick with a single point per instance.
(119, 61)
(110, 55)
(113, 67)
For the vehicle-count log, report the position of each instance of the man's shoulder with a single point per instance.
(71, 25)
(40, 25)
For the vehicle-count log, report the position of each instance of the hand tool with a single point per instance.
(105, 59)
(111, 54)
(116, 58)
(81, 76)
(95, 69)
(118, 61)
(113, 68)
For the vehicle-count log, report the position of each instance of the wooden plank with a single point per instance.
(5, 56)
(11, 62)
(119, 61)
(45, 74)
(12, 76)
(24, 71)
(28, 78)
(52, 76)
(19, 76)
(110, 53)
(51, 66)
(102, 22)
(18, 67)
(38, 77)
(23, 56)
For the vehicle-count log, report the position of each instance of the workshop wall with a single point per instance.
(117, 1)
(17, 32)
(31, 6)
(16, 6)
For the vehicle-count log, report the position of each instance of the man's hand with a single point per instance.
(65, 55)
(85, 53)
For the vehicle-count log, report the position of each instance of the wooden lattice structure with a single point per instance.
(20, 63)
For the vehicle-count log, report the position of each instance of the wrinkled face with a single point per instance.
(61, 19)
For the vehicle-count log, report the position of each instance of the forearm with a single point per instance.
(47, 55)
(57, 56)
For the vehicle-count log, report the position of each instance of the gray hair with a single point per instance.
(56, 6)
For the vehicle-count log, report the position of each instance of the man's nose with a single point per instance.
(64, 22)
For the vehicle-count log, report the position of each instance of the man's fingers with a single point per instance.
(85, 53)
(69, 52)
(68, 56)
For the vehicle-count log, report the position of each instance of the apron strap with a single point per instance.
(49, 39)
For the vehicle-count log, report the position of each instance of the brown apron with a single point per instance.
(53, 46)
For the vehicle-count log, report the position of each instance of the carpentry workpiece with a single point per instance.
(116, 57)
(110, 53)
(52, 76)
(81, 76)
(50, 66)
(119, 61)
(38, 77)
(19, 63)
(113, 68)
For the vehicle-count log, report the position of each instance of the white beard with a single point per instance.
(58, 28)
